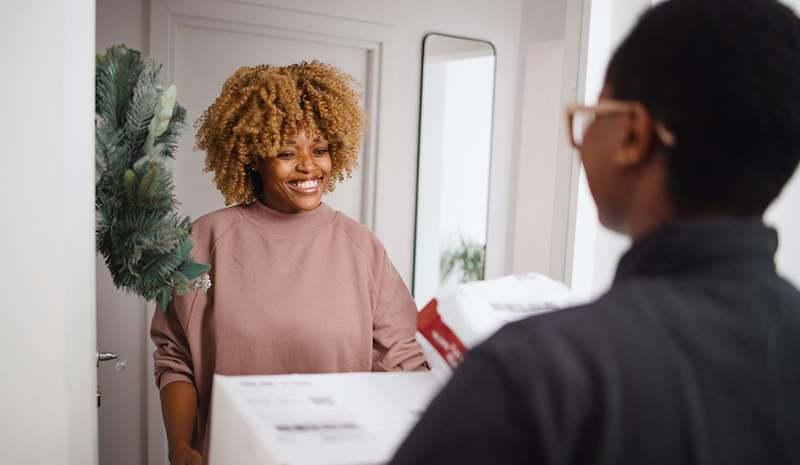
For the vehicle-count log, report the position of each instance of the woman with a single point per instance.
(692, 356)
(297, 286)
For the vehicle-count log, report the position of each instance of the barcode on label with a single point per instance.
(521, 308)
(316, 427)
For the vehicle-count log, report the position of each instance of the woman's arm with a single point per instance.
(179, 409)
(175, 378)
(395, 347)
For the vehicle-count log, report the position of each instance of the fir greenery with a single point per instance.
(145, 242)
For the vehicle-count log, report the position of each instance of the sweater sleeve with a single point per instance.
(395, 323)
(172, 357)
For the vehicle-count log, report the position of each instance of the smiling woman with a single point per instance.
(298, 287)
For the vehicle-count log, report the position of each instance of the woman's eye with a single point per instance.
(285, 155)
(320, 152)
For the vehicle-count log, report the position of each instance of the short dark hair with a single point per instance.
(724, 77)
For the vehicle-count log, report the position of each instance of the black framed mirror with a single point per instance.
(455, 149)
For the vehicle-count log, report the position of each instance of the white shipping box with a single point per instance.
(476, 310)
(321, 419)
(464, 315)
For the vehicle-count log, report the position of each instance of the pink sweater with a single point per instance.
(311, 292)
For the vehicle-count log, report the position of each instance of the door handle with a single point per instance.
(106, 356)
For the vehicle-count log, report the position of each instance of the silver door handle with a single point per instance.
(106, 356)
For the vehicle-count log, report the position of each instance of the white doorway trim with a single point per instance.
(47, 328)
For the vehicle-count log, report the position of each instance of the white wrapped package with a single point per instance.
(467, 314)
(476, 310)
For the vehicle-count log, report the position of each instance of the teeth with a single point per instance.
(309, 184)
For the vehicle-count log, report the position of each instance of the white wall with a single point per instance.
(47, 339)
(550, 48)
(538, 142)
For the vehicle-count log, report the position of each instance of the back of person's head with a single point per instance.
(724, 77)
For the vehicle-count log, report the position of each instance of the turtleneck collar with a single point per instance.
(288, 224)
(721, 246)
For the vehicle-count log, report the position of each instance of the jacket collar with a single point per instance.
(711, 247)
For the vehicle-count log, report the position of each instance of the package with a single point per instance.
(466, 314)
(321, 419)
(361, 418)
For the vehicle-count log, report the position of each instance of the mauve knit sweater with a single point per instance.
(311, 292)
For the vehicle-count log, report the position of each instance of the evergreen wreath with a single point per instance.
(145, 242)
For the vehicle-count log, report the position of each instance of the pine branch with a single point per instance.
(117, 74)
(140, 111)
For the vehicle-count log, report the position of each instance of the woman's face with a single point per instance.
(296, 177)
(613, 152)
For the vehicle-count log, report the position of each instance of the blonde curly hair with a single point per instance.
(261, 106)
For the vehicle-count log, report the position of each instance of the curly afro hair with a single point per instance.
(261, 106)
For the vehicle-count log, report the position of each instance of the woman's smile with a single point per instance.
(306, 185)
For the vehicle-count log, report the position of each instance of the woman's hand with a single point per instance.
(183, 454)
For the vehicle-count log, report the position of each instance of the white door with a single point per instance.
(47, 334)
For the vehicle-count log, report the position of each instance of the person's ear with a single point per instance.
(637, 146)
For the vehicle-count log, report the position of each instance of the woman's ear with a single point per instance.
(637, 147)
(255, 174)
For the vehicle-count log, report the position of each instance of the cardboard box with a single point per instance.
(323, 419)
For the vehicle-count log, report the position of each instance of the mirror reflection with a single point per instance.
(454, 162)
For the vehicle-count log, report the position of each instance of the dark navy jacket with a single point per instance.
(693, 357)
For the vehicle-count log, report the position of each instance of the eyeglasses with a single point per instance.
(581, 117)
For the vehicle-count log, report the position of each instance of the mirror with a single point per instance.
(455, 147)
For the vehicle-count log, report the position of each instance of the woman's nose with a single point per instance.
(305, 163)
